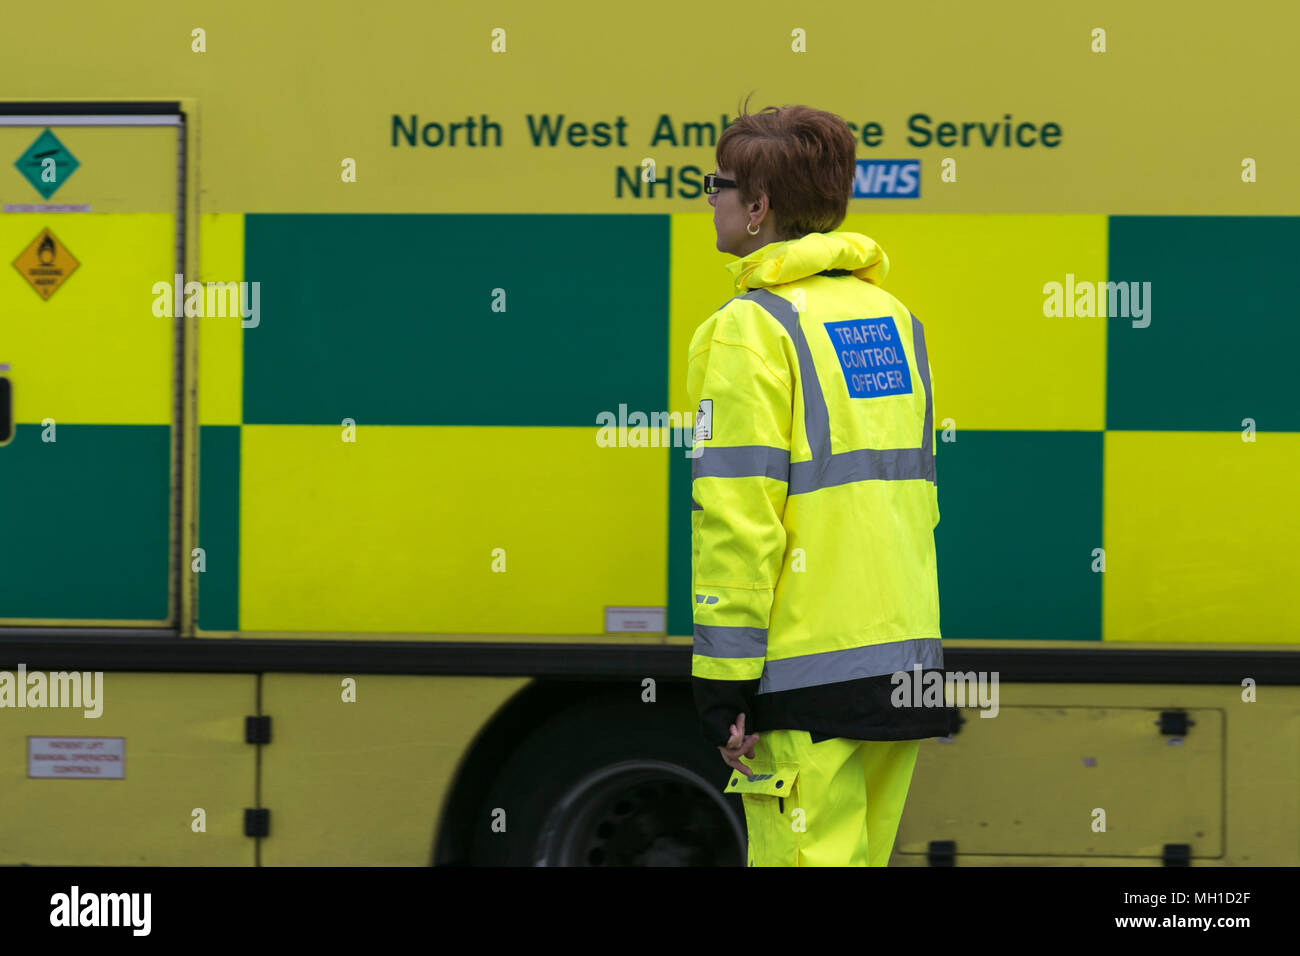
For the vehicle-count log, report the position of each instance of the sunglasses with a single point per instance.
(713, 182)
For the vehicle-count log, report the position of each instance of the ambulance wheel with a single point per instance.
(608, 784)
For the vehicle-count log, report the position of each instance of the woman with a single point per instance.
(814, 505)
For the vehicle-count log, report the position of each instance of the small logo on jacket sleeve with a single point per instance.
(704, 420)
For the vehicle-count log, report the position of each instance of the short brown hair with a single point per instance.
(804, 159)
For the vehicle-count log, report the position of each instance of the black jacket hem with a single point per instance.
(860, 709)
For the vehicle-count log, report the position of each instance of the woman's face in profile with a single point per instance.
(729, 217)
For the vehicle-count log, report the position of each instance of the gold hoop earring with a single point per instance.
(755, 232)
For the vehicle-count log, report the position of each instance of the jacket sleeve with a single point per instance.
(934, 448)
(739, 379)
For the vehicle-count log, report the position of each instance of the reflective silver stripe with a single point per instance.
(923, 367)
(830, 667)
(695, 505)
(825, 469)
(741, 461)
(712, 640)
(816, 420)
(865, 464)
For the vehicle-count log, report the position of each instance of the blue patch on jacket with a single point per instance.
(872, 356)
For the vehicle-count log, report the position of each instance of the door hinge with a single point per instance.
(942, 853)
(1177, 854)
(257, 730)
(1174, 723)
(257, 823)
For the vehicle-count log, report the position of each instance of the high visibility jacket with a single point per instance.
(814, 500)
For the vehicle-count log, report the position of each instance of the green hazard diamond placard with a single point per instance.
(47, 164)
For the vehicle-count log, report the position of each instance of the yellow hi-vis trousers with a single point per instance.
(837, 802)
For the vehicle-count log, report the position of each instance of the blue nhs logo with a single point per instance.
(887, 179)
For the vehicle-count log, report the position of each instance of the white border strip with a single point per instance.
(162, 119)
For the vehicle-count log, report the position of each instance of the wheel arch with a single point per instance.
(540, 702)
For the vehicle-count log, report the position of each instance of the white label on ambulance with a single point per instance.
(634, 620)
(76, 758)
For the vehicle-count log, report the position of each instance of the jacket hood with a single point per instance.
(791, 259)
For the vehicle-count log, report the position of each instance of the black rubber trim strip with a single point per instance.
(97, 108)
(102, 649)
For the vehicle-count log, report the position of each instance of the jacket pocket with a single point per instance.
(772, 780)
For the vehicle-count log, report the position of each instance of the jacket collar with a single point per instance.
(791, 259)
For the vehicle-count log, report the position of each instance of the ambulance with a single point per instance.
(319, 547)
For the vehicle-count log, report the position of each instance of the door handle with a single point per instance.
(6, 408)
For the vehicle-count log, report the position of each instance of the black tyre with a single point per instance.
(613, 783)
